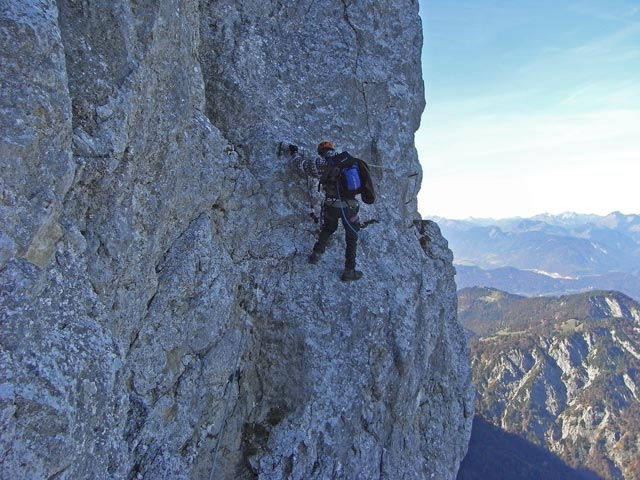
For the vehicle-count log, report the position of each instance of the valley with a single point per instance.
(561, 373)
(549, 305)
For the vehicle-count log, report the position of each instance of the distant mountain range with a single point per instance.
(561, 373)
(547, 254)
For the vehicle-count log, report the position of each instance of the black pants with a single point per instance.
(351, 223)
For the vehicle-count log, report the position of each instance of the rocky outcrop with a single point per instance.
(159, 318)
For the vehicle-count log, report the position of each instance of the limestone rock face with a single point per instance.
(159, 318)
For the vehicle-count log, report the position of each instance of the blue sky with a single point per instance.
(533, 106)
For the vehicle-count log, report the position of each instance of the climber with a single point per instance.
(339, 202)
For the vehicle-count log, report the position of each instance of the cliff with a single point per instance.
(159, 317)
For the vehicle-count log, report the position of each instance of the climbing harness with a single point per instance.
(344, 216)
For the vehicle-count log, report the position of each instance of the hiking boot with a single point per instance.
(351, 274)
(314, 258)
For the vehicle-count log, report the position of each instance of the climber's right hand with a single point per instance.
(293, 149)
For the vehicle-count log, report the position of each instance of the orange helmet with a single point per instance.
(322, 146)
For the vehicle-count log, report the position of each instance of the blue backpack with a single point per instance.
(352, 178)
(347, 176)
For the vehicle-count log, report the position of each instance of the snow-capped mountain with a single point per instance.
(548, 254)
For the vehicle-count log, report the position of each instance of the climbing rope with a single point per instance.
(312, 211)
(415, 188)
(226, 405)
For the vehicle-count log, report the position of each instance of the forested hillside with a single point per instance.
(561, 373)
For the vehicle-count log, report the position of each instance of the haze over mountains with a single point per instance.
(547, 254)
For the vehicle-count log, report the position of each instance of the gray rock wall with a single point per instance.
(158, 315)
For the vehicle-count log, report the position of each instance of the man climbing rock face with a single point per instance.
(333, 171)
